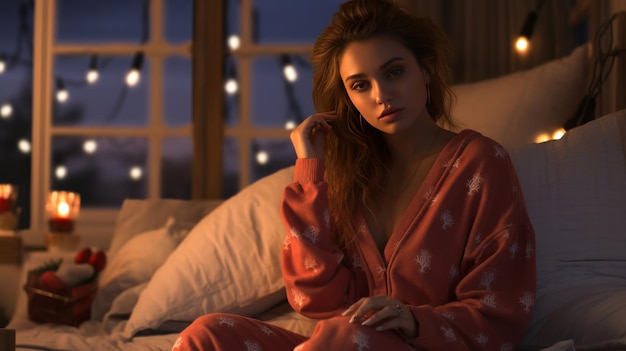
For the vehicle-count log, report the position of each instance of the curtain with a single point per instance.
(483, 32)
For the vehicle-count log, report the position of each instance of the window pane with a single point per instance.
(176, 168)
(275, 101)
(107, 102)
(177, 91)
(80, 21)
(277, 19)
(104, 171)
(178, 20)
(233, 10)
(230, 180)
(270, 155)
(16, 101)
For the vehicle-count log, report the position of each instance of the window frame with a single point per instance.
(95, 226)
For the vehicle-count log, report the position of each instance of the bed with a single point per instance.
(171, 261)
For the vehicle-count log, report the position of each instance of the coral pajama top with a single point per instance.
(462, 256)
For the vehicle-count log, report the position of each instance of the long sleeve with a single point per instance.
(491, 288)
(318, 283)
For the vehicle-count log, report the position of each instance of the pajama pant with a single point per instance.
(226, 332)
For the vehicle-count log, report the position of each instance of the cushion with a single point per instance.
(575, 191)
(229, 262)
(138, 216)
(135, 263)
(514, 109)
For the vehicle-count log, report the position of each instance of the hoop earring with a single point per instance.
(360, 135)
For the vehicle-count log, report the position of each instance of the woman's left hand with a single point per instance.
(385, 313)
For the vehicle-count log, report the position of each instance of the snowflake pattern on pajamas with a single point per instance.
(177, 344)
(423, 260)
(228, 322)
(473, 185)
(447, 221)
(527, 301)
(362, 340)
(252, 345)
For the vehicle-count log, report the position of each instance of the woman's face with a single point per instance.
(384, 82)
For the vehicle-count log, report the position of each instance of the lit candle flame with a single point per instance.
(63, 210)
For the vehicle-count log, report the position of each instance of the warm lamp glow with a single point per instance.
(521, 45)
(542, 138)
(132, 78)
(234, 42)
(558, 134)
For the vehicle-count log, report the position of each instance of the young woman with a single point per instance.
(400, 234)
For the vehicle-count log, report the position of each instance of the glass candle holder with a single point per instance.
(8, 197)
(62, 209)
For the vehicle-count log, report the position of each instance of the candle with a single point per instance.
(8, 194)
(63, 209)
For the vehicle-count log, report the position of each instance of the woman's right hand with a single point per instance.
(308, 137)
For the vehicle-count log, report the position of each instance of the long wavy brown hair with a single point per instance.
(356, 155)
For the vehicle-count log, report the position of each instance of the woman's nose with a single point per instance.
(382, 94)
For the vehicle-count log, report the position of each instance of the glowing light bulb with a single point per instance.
(60, 172)
(133, 77)
(3, 66)
(92, 76)
(234, 42)
(24, 146)
(6, 110)
(521, 45)
(290, 125)
(290, 73)
(231, 87)
(135, 173)
(262, 157)
(558, 134)
(90, 146)
(62, 96)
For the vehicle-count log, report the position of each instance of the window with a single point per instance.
(265, 36)
(110, 141)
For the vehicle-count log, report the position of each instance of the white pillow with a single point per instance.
(137, 216)
(515, 108)
(575, 191)
(135, 262)
(229, 262)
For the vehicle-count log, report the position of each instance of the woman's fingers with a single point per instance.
(383, 313)
(308, 136)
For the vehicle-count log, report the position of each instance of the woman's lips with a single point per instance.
(390, 113)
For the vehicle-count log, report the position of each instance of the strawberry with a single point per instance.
(52, 282)
(98, 260)
(83, 255)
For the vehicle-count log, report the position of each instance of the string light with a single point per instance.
(289, 70)
(135, 173)
(93, 75)
(134, 75)
(231, 86)
(24, 146)
(6, 111)
(262, 157)
(523, 40)
(90, 146)
(290, 125)
(60, 172)
(3, 65)
(234, 42)
(62, 94)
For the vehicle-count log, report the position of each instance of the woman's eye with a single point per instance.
(359, 86)
(395, 72)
